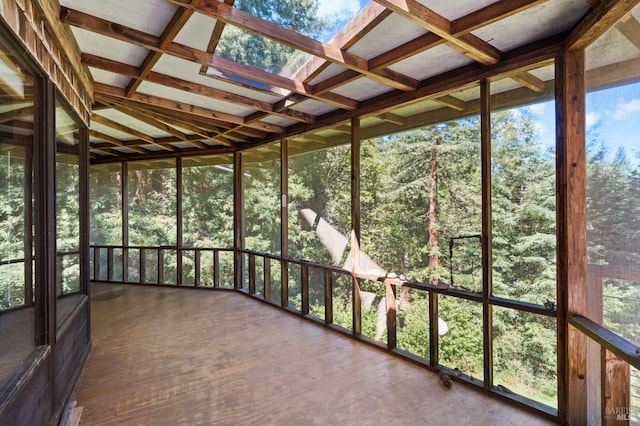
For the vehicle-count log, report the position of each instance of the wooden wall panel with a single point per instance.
(37, 25)
(28, 403)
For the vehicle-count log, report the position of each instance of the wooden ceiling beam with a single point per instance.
(181, 106)
(195, 88)
(215, 37)
(392, 118)
(151, 42)
(248, 22)
(178, 20)
(468, 44)
(451, 102)
(115, 141)
(630, 28)
(16, 114)
(488, 15)
(126, 129)
(597, 22)
(135, 113)
(530, 81)
(367, 19)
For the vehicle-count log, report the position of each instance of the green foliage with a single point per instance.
(254, 50)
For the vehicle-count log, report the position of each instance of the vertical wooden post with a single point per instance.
(595, 409)
(355, 224)
(196, 279)
(160, 266)
(179, 221)
(434, 337)
(110, 263)
(392, 335)
(124, 184)
(616, 392)
(238, 220)
(571, 232)
(83, 141)
(284, 222)
(216, 269)
(267, 278)
(96, 263)
(252, 273)
(28, 225)
(328, 297)
(304, 289)
(487, 231)
(143, 265)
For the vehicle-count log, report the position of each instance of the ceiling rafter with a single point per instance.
(488, 15)
(115, 141)
(199, 89)
(215, 37)
(171, 30)
(181, 106)
(630, 28)
(151, 42)
(601, 17)
(468, 44)
(246, 21)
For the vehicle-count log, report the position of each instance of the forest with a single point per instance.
(421, 220)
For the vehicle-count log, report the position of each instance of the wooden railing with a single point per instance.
(310, 290)
(617, 354)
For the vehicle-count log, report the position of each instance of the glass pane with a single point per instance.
(276, 281)
(133, 272)
(420, 191)
(319, 203)
(461, 345)
(105, 192)
(188, 267)
(524, 351)
(225, 269)
(316, 293)
(295, 286)
(206, 268)
(152, 203)
(67, 210)
(413, 321)
(261, 185)
(373, 310)
(523, 191)
(17, 325)
(613, 181)
(207, 202)
(343, 300)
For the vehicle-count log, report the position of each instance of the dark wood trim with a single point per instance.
(238, 218)
(328, 296)
(355, 224)
(304, 289)
(571, 235)
(487, 231)
(252, 274)
(434, 327)
(84, 220)
(28, 223)
(196, 261)
(267, 278)
(216, 269)
(392, 309)
(124, 188)
(179, 212)
(284, 221)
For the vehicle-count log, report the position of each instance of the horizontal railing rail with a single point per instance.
(289, 287)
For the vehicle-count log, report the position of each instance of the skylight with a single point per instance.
(317, 19)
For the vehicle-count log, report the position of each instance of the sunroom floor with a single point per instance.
(169, 356)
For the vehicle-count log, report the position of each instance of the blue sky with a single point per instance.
(341, 11)
(614, 113)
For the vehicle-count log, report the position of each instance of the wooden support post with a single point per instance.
(328, 297)
(238, 220)
(28, 225)
(96, 263)
(160, 266)
(196, 280)
(179, 254)
(487, 232)
(355, 225)
(284, 222)
(252, 273)
(216, 269)
(616, 395)
(109, 263)
(434, 337)
(571, 231)
(267, 278)
(143, 265)
(125, 264)
(124, 182)
(304, 289)
(392, 335)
